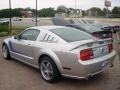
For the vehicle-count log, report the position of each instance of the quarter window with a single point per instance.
(49, 38)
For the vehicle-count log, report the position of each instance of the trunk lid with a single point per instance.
(99, 47)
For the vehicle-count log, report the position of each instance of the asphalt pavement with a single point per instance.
(27, 22)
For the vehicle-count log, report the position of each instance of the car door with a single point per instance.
(23, 45)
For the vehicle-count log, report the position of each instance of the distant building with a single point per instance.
(91, 13)
(27, 14)
(75, 13)
(72, 13)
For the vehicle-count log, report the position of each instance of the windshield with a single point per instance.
(71, 34)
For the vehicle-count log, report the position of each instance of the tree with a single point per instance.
(33, 11)
(27, 9)
(61, 9)
(17, 12)
(104, 11)
(115, 12)
(68, 11)
(84, 13)
(4, 13)
(47, 12)
(96, 11)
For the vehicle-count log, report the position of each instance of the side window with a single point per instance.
(30, 34)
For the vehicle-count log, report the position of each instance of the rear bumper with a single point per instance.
(97, 68)
(90, 68)
(87, 76)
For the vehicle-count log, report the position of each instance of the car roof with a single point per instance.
(47, 27)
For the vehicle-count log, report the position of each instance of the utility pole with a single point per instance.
(75, 8)
(10, 16)
(36, 12)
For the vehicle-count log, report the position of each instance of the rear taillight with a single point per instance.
(86, 54)
(97, 35)
(110, 46)
(110, 35)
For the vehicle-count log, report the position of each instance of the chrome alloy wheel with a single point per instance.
(5, 51)
(46, 70)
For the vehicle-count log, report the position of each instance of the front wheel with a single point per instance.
(49, 70)
(5, 51)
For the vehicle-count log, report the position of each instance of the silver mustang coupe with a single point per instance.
(60, 51)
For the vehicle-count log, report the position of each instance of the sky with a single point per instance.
(80, 4)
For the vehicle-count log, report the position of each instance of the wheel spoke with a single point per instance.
(47, 70)
(48, 66)
(48, 75)
(43, 66)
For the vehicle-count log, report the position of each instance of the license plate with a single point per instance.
(105, 65)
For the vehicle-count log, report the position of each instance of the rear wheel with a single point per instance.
(49, 70)
(5, 51)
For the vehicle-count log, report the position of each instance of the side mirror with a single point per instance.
(17, 37)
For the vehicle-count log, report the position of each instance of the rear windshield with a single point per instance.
(71, 34)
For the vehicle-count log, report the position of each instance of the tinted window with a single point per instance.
(30, 35)
(71, 34)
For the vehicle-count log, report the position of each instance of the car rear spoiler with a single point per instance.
(89, 43)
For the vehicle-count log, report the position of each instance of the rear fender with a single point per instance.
(52, 55)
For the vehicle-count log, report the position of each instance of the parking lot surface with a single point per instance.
(27, 22)
(15, 75)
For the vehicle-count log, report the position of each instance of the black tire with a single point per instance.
(5, 51)
(55, 75)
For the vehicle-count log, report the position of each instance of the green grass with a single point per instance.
(16, 30)
(4, 30)
(2, 34)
